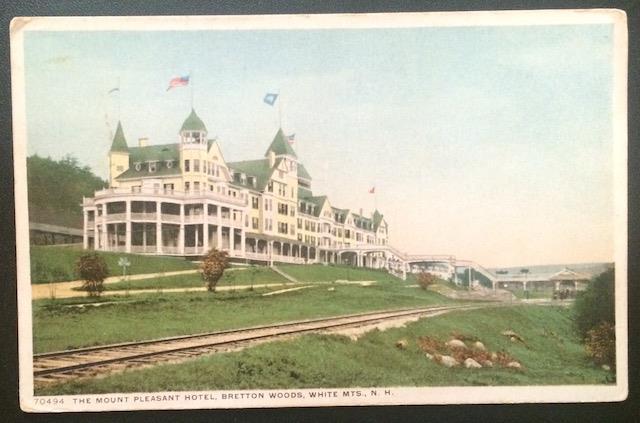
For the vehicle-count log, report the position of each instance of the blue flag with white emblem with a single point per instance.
(270, 98)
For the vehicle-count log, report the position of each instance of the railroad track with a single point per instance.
(61, 366)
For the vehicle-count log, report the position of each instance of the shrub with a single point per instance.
(92, 269)
(426, 279)
(213, 267)
(601, 344)
(596, 304)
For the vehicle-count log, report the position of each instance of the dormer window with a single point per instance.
(137, 166)
(153, 166)
(169, 163)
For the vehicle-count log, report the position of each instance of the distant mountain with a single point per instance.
(55, 190)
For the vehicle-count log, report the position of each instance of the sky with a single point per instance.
(493, 144)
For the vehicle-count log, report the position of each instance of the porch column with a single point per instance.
(270, 252)
(195, 234)
(232, 239)
(127, 232)
(219, 237)
(158, 227)
(205, 237)
(85, 235)
(96, 231)
(557, 285)
(243, 242)
(181, 231)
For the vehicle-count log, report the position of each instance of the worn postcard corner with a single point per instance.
(321, 210)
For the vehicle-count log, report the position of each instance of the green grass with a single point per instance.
(56, 264)
(552, 355)
(237, 277)
(153, 315)
(322, 273)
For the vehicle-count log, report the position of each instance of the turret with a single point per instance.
(118, 155)
(193, 130)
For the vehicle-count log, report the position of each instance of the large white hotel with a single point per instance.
(183, 199)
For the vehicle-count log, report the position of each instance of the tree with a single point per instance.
(92, 269)
(426, 279)
(213, 266)
(596, 304)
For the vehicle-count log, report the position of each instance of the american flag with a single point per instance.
(179, 81)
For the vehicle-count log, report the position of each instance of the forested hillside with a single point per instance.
(56, 188)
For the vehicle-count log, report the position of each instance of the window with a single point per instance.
(254, 222)
(169, 164)
(186, 187)
(196, 165)
(138, 166)
(153, 166)
(186, 166)
(136, 188)
(299, 223)
(270, 186)
(282, 228)
(168, 188)
(283, 209)
(196, 186)
(254, 202)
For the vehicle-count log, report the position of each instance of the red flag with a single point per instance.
(179, 81)
(372, 190)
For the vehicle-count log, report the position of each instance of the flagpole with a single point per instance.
(279, 110)
(118, 103)
(191, 84)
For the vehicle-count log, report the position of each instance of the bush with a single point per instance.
(213, 267)
(426, 279)
(92, 268)
(596, 304)
(601, 344)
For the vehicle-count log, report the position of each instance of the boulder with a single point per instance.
(402, 344)
(456, 343)
(470, 363)
(479, 346)
(487, 363)
(448, 361)
(429, 356)
(514, 365)
(494, 356)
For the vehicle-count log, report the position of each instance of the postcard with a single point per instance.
(321, 210)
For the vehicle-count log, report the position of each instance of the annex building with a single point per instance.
(183, 199)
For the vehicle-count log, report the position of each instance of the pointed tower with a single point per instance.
(193, 130)
(118, 156)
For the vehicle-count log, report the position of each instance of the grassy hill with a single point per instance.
(57, 263)
(552, 355)
(56, 188)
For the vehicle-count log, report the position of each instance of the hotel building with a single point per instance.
(183, 199)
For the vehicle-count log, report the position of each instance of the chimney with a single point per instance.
(142, 142)
(272, 158)
(361, 212)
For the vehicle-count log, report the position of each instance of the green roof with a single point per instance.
(259, 169)
(193, 123)
(377, 219)
(151, 153)
(119, 141)
(302, 172)
(280, 146)
(304, 193)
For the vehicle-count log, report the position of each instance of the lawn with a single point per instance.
(58, 326)
(329, 273)
(551, 355)
(237, 277)
(57, 264)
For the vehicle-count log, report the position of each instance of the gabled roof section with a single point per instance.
(302, 172)
(193, 123)
(569, 275)
(119, 141)
(161, 154)
(259, 169)
(280, 146)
